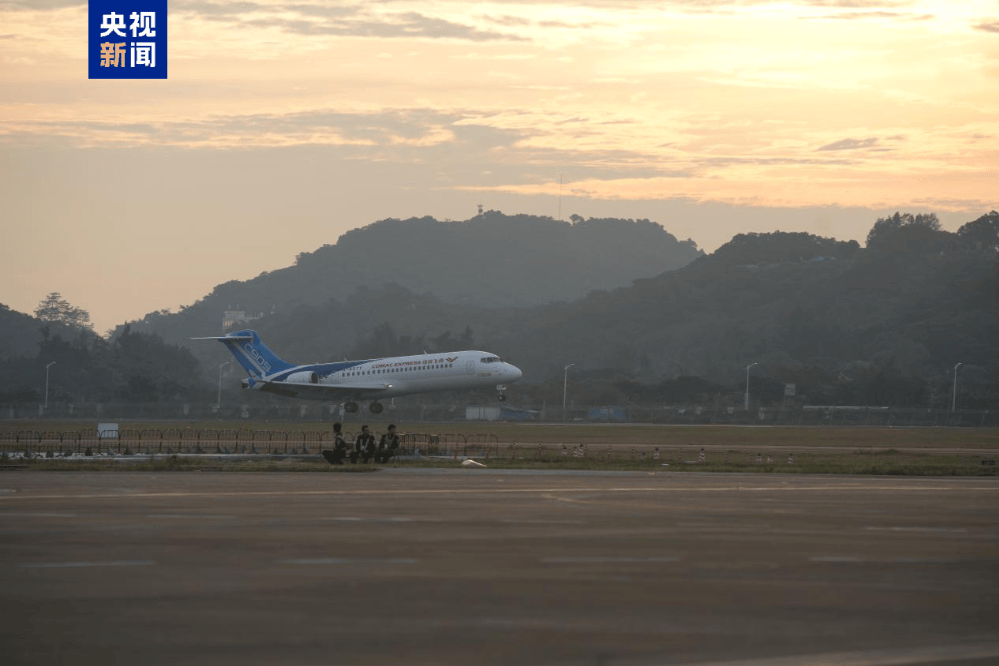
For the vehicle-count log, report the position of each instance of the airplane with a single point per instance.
(371, 379)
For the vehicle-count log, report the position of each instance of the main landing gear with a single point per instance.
(352, 407)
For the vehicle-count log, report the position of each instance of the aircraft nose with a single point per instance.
(515, 373)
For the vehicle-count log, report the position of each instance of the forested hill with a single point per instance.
(18, 333)
(21, 334)
(897, 314)
(881, 324)
(492, 260)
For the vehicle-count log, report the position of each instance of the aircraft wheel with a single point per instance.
(350, 407)
(501, 397)
(376, 407)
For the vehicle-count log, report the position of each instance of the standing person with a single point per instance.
(388, 444)
(365, 445)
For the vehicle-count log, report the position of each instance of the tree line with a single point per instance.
(880, 325)
(133, 367)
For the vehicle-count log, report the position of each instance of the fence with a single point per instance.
(415, 412)
(792, 416)
(127, 441)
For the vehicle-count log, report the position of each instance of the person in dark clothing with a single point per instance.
(364, 446)
(355, 452)
(387, 446)
(339, 452)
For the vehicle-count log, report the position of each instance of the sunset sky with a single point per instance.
(284, 124)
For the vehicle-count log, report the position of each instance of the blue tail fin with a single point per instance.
(253, 354)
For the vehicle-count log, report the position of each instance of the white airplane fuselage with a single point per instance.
(370, 379)
(425, 373)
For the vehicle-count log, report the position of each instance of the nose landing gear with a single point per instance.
(501, 397)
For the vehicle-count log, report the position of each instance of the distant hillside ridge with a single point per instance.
(21, 333)
(490, 260)
(914, 302)
(886, 324)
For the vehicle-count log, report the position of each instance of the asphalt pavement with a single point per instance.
(476, 566)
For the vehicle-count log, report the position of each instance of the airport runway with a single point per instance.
(489, 567)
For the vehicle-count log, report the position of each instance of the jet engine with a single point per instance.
(305, 377)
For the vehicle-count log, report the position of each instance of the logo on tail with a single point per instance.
(252, 354)
(257, 358)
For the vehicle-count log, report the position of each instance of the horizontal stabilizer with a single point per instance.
(227, 337)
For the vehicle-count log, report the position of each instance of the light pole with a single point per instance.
(747, 384)
(47, 383)
(565, 382)
(218, 404)
(953, 402)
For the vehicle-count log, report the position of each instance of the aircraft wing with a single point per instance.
(323, 391)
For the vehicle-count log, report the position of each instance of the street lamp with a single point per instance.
(747, 383)
(47, 383)
(218, 404)
(565, 381)
(953, 402)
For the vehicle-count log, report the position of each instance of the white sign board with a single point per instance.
(107, 431)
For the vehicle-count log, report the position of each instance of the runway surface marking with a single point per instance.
(75, 565)
(851, 559)
(353, 560)
(608, 559)
(928, 530)
(504, 491)
(514, 521)
(26, 514)
(183, 515)
(890, 657)
(390, 519)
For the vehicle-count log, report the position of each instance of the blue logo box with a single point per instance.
(127, 39)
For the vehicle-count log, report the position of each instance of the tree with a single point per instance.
(140, 389)
(982, 234)
(383, 341)
(905, 233)
(53, 309)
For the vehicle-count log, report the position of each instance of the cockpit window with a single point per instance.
(491, 359)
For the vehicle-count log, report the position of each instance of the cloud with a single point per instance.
(343, 21)
(218, 10)
(408, 128)
(322, 10)
(854, 16)
(459, 148)
(41, 5)
(508, 21)
(413, 24)
(850, 144)
(857, 4)
(988, 27)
